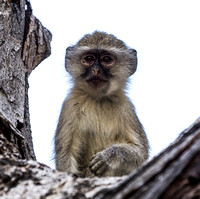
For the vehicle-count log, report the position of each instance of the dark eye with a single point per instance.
(108, 60)
(88, 59)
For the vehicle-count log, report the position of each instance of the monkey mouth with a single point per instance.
(96, 82)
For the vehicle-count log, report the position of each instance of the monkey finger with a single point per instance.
(96, 158)
(94, 166)
(93, 157)
(101, 170)
(97, 155)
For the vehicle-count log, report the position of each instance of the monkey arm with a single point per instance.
(117, 160)
(67, 142)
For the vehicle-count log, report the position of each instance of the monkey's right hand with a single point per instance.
(99, 163)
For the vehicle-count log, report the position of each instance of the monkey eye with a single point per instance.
(88, 60)
(107, 60)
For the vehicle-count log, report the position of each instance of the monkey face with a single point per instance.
(100, 64)
(97, 66)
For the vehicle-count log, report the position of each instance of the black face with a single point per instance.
(97, 66)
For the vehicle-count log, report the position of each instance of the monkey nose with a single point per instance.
(95, 71)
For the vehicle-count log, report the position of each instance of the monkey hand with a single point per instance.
(102, 161)
(99, 163)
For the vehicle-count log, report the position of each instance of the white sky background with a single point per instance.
(165, 88)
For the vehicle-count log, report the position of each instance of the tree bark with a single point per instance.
(24, 43)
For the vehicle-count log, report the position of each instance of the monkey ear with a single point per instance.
(69, 50)
(133, 61)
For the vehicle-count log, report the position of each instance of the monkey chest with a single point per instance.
(100, 125)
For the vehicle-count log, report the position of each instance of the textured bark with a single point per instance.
(24, 43)
(22, 180)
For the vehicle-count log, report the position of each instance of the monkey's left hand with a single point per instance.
(102, 161)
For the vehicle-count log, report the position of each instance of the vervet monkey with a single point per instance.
(99, 133)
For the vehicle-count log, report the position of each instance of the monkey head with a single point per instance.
(100, 63)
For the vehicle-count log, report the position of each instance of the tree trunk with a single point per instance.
(24, 43)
